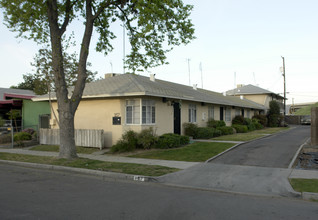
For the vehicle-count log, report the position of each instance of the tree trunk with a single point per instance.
(67, 141)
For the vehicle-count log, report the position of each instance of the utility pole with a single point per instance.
(284, 75)
(188, 60)
(201, 74)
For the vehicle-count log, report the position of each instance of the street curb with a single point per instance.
(309, 196)
(220, 154)
(97, 173)
(297, 153)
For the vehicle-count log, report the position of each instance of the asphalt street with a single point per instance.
(28, 193)
(274, 151)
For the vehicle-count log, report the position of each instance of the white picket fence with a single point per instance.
(83, 137)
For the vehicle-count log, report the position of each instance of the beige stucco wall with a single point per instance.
(99, 113)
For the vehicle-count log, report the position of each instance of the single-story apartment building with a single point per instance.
(124, 102)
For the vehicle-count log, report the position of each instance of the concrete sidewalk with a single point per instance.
(108, 158)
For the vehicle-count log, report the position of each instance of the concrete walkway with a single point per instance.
(108, 158)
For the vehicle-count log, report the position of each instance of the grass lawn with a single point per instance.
(128, 168)
(250, 135)
(305, 185)
(196, 152)
(55, 148)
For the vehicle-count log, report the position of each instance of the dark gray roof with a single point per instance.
(19, 92)
(249, 90)
(136, 85)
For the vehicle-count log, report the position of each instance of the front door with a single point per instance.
(176, 118)
(221, 113)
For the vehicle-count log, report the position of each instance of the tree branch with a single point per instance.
(68, 9)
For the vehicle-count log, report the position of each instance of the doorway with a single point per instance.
(176, 118)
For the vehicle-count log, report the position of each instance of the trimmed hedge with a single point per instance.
(206, 133)
(226, 130)
(240, 128)
(239, 120)
(190, 130)
(215, 124)
(128, 142)
(171, 141)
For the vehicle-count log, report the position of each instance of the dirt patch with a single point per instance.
(307, 158)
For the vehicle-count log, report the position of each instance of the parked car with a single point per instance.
(305, 120)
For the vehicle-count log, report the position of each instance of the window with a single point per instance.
(135, 111)
(228, 114)
(211, 112)
(148, 112)
(132, 112)
(192, 113)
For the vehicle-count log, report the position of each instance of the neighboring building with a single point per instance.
(20, 99)
(123, 102)
(258, 95)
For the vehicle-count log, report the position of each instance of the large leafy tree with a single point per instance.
(153, 28)
(42, 79)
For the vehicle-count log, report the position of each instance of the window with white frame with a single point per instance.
(192, 113)
(211, 112)
(132, 112)
(228, 111)
(148, 112)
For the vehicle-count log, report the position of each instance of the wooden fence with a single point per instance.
(83, 137)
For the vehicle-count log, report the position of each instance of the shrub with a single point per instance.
(239, 120)
(226, 130)
(215, 124)
(190, 130)
(240, 128)
(206, 133)
(22, 136)
(273, 120)
(128, 142)
(256, 124)
(6, 138)
(172, 141)
(262, 119)
(146, 138)
(249, 124)
(184, 140)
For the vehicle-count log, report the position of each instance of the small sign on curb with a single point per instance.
(139, 178)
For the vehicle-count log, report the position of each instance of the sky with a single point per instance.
(237, 42)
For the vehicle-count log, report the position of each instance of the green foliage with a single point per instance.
(239, 120)
(22, 136)
(190, 130)
(29, 130)
(207, 133)
(306, 110)
(262, 119)
(146, 138)
(274, 120)
(215, 124)
(172, 141)
(128, 142)
(240, 128)
(274, 108)
(5, 138)
(226, 130)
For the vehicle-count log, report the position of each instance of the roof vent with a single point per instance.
(195, 86)
(241, 97)
(152, 77)
(239, 85)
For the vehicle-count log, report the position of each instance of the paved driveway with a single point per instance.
(258, 167)
(274, 151)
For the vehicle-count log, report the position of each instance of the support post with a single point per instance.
(314, 126)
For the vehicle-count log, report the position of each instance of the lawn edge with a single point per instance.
(97, 173)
